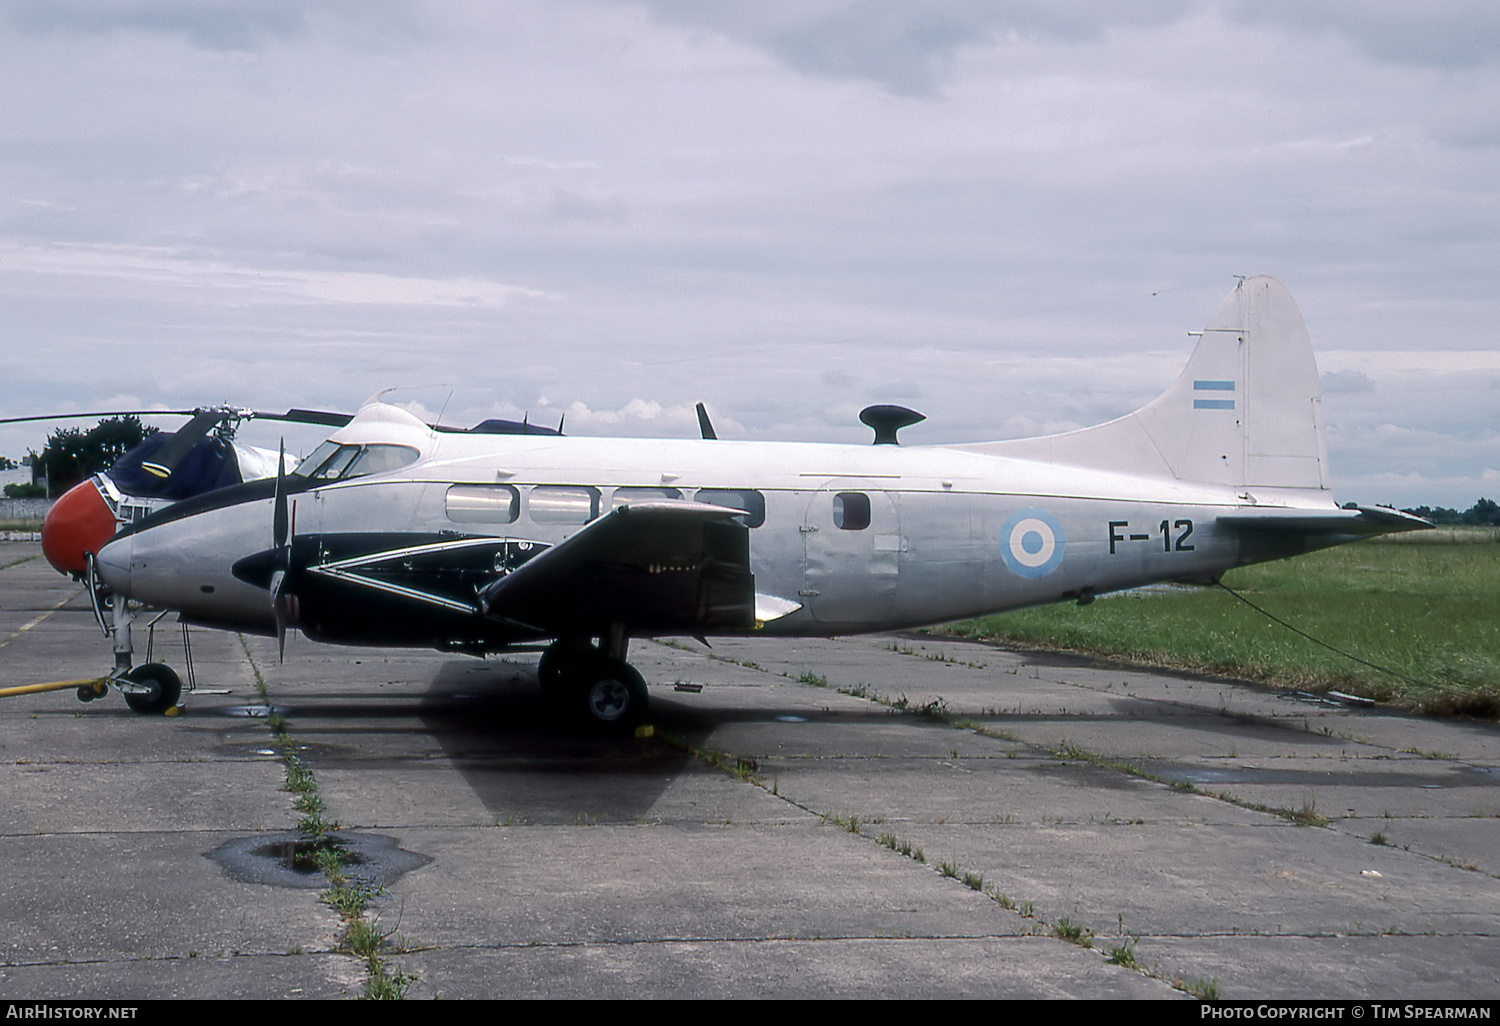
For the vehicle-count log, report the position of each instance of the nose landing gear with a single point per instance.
(151, 689)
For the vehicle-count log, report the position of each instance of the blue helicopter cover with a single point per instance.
(211, 464)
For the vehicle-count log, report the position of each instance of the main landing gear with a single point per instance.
(595, 684)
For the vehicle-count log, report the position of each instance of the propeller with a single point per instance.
(97, 592)
(281, 561)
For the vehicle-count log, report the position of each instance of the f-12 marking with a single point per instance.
(1117, 529)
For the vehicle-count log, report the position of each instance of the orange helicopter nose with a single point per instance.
(79, 522)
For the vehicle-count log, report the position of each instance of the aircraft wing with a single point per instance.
(1362, 520)
(681, 567)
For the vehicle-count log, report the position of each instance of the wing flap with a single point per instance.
(663, 567)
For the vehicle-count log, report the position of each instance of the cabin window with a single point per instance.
(623, 496)
(483, 504)
(752, 502)
(851, 511)
(563, 504)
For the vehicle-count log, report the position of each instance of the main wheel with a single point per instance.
(560, 660)
(613, 695)
(164, 688)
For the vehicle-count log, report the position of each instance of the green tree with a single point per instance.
(1483, 512)
(72, 454)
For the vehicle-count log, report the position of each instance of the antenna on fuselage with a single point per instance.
(887, 420)
(705, 425)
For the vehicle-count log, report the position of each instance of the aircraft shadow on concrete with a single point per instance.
(522, 757)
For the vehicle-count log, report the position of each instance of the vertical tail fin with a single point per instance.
(1245, 412)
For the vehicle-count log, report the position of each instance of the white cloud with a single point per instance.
(148, 267)
(1009, 212)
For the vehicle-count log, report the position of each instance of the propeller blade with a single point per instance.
(97, 594)
(280, 531)
(279, 519)
(280, 608)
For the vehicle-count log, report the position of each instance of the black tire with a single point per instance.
(165, 689)
(561, 662)
(89, 692)
(613, 696)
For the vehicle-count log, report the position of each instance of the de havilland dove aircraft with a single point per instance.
(394, 534)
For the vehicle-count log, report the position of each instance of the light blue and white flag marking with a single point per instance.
(1213, 386)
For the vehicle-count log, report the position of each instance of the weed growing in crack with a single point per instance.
(299, 779)
(386, 984)
(1307, 815)
(933, 709)
(1205, 988)
(902, 847)
(1073, 933)
(850, 823)
(314, 826)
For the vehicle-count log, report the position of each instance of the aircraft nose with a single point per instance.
(81, 521)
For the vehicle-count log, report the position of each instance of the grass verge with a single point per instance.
(1421, 607)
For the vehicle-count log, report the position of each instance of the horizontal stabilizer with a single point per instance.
(654, 567)
(1368, 520)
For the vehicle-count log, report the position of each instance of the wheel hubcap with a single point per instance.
(609, 699)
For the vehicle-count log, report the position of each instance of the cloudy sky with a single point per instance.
(1005, 214)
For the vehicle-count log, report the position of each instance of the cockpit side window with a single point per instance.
(333, 468)
(334, 462)
(318, 457)
(378, 459)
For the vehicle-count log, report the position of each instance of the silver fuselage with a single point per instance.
(950, 534)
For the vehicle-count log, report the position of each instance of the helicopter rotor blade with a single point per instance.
(100, 414)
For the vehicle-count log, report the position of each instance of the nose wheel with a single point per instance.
(156, 689)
